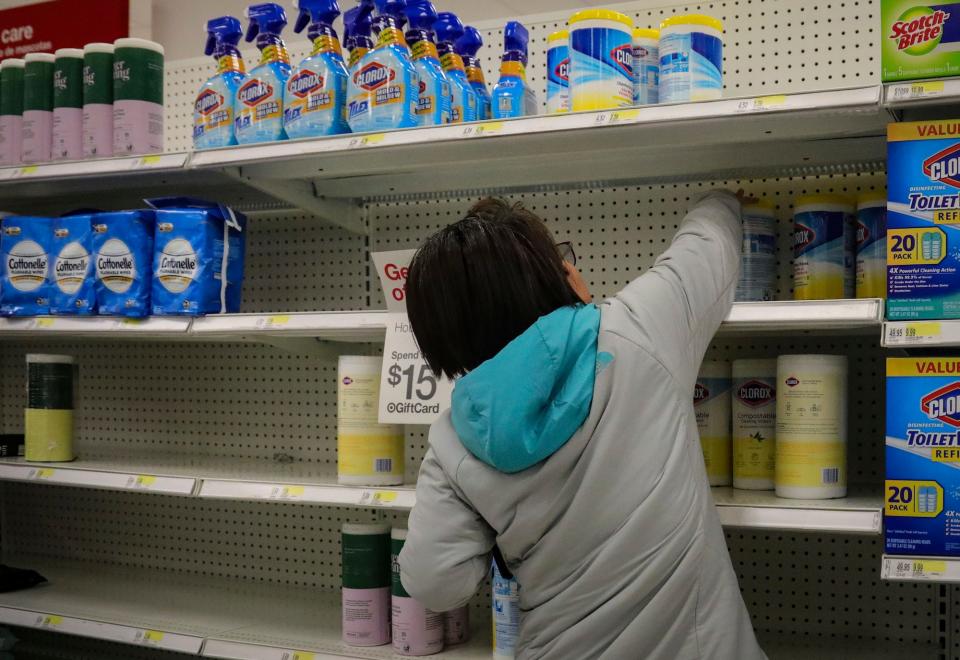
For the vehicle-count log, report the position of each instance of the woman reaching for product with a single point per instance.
(571, 444)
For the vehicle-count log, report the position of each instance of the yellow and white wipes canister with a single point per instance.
(601, 60)
(368, 453)
(872, 246)
(811, 426)
(691, 58)
(711, 403)
(824, 247)
(754, 406)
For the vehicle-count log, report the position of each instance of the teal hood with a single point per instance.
(522, 405)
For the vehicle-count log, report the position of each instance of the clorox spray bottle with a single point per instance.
(467, 47)
(433, 106)
(384, 86)
(259, 105)
(512, 96)
(315, 97)
(464, 102)
(213, 110)
(357, 31)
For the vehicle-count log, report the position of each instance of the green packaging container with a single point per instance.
(97, 100)
(11, 111)
(137, 97)
(365, 557)
(37, 108)
(919, 40)
(68, 104)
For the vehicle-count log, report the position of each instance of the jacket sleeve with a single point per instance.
(679, 304)
(447, 552)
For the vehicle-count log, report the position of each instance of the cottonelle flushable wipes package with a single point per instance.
(72, 282)
(198, 257)
(24, 287)
(123, 254)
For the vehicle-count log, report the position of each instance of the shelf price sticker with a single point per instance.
(49, 621)
(297, 655)
(145, 162)
(276, 321)
(141, 482)
(25, 171)
(479, 130)
(366, 140)
(378, 497)
(286, 492)
(915, 569)
(42, 473)
(410, 393)
(913, 333)
(761, 103)
(917, 90)
(42, 323)
(148, 637)
(618, 116)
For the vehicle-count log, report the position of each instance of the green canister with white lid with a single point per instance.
(37, 108)
(68, 104)
(416, 630)
(11, 110)
(97, 100)
(137, 97)
(365, 562)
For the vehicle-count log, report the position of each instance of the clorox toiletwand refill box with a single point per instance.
(922, 489)
(923, 220)
(919, 40)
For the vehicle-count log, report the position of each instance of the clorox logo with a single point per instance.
(802, 236)
(563, 70)
(304, 83)
(372, 76)
(623, 56)
(792, 381)
(700, 393)
(254, 91)
(423, 87)
(863, 233)
(207, 101)
(944, 167)
(755, 393)
(919, 30)
(943, 404)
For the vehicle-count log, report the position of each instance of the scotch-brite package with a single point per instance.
(919, 40)
(198, 257)
(72, 288)
(25, 243)
(123, 252)
(923, 220)
(922, 487)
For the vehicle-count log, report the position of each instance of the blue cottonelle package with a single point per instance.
(123, 254)
(25, 243)
(72, 282)
(198, 257)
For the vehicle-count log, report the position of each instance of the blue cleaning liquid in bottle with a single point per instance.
(433, 106)
(259, 104)
(512, 96)
(357, 31)
(315, 96)
(383, 89)
(463, 106)
(467, 47)
(213, 109)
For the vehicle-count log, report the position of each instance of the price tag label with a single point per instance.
(761, 103)
(918, 90)
(286, 492)
(49, 621)
(21, 172)
(913, 333)
(141, 482)
(366, 140)
(916, 569)
(277, 321)
(43, 323)
(126, 323)
(42, 473)
(148, 637)
(410, 393)
(145, 161)
(377, 497)
(297, 655)
(478, 130)
(618, 116)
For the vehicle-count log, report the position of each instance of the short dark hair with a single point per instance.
(476, 285)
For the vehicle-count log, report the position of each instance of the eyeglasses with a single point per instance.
(566, 252)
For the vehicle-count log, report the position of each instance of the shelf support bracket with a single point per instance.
(342, 213)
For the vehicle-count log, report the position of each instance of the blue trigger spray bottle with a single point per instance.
(463, 106)
(433, 106)
(383, 88)
(315, 96)
(213, 109)
(513, 97)
(357, 31)
(467, 47)
(259, 105)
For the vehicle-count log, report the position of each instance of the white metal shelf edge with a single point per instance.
(386, 497)
(40, 326)
(226, 650)
(822, 519)
(73, 476)
(154, 163)
(157, 639)
(805, 315)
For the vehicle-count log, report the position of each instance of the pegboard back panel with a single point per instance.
(770, 46)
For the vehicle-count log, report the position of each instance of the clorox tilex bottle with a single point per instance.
(467, 47)
(213, 109)
(384, 86)
(513, 97)
(463, 105)
(357, 28)
(259, 106)
(433, 106)
(315, 97)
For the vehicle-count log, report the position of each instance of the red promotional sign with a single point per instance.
(47, 26)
